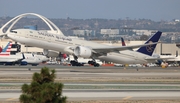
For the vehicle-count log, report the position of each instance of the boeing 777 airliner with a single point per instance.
(84, 48)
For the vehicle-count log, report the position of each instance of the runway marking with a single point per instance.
(10, 99)
(128, 97)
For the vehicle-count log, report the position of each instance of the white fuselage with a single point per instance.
(126, 57)
(64, 44)
(34, 58)
(10, 58)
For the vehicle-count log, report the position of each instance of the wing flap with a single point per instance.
(163, 58)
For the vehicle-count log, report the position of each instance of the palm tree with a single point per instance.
(43, 89)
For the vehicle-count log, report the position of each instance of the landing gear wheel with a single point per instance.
(96, 65)
(93, 63)
(75, 63)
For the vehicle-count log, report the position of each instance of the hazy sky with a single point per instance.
(86, 9)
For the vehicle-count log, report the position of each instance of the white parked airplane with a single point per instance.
(175, 60)
(33, 59)
(171, 58)
(83, 48)
(6, 58)
(19, 58)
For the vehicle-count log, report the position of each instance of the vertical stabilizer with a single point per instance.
(122, 41)
(148, 50)
(0, 49)
(6, 51)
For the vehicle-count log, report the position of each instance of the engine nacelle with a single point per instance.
(50, 53)
(81, 51)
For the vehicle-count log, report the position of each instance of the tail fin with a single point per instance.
(6, 51)
(148, 50)
(0, 49)
(122, 41)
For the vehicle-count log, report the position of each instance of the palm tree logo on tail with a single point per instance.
(149, 48)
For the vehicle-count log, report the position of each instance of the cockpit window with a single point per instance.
(13, 31)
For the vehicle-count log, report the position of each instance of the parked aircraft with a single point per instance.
(33, 59)
(83, 48)
(172, 58)
(175, 60)
(6, 58)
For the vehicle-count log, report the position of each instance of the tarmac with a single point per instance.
(97, 84)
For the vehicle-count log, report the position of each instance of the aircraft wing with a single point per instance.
(162, 58)
(117, 49)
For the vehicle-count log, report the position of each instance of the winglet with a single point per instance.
(148, 50)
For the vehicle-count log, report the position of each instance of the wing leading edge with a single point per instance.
(151, 41)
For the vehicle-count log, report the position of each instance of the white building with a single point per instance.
(144, 32)
(83, 32)
(109, 31)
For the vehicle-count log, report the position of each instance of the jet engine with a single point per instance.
(50, 53)
(81, 51)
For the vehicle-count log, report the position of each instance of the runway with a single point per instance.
(102, 83)
(86, 95)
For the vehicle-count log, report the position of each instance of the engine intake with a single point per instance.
(81, 51)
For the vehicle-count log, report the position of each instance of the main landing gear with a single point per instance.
(76, 63)
(93, 62)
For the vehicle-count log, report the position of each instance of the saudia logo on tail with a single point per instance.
(149, 48)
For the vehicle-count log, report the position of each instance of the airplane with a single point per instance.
(171, 59)
(6, 58)
(81, 48)
(33, 59)
(19, 58)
